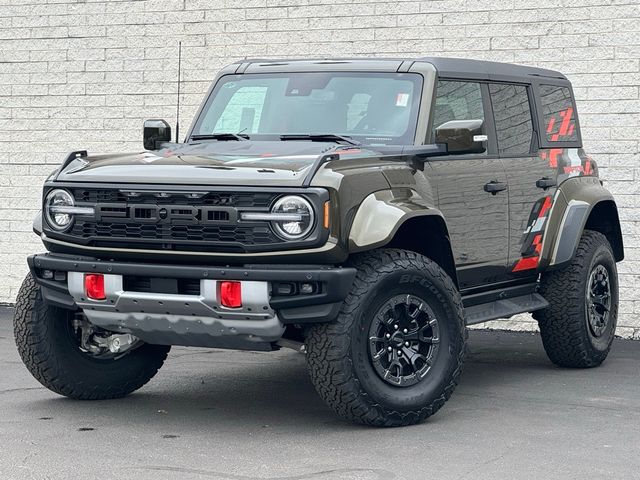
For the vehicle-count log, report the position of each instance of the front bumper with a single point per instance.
(196, 317)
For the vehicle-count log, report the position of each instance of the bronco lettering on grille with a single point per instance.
(169, 214)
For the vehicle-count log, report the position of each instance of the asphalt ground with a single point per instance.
(213, 414)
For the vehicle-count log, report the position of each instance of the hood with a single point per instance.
(263, 163)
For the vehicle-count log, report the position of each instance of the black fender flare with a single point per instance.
(579, 204)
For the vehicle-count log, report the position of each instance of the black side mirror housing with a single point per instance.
(462, 136)
(155, 132)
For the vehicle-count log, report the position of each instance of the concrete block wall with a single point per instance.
(84, 74)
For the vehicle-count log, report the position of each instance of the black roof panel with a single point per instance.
(447, 67)
(485, 69)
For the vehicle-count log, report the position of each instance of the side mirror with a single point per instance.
(462, 136)
(154, 133)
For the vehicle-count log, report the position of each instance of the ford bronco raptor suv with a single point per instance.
(362, 211)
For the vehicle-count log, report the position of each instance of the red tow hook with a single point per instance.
(94, 286)
(230, 294)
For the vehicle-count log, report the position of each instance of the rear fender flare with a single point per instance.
(575, 201)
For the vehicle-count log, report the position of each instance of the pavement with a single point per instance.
(224, 415)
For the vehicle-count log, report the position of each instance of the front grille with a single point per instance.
(192, 220)
(111, 232)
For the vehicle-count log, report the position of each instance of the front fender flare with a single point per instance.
(382, 213)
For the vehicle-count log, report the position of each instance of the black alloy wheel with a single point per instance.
(598, 300)
(404, 340)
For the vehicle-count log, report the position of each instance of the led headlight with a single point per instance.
(55, 205)
(296, 217)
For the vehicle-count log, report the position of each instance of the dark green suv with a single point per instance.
(361, 211)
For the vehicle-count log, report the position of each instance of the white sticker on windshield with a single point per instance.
(402, 100)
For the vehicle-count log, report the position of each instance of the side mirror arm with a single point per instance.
(426, 151)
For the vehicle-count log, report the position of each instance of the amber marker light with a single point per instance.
(326, 215)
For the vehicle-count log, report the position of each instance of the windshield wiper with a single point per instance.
(320, 137)
(222, 136)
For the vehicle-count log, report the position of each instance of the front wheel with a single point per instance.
(72, 358)
(394, 355)
(578, 327)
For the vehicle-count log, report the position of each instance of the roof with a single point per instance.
(446, 67)
(490, 70)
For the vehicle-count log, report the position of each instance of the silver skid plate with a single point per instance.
(175, 319)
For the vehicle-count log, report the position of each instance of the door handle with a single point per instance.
(493, 187)
(546, 182)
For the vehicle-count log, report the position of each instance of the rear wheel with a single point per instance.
(394, 355)
(69, 356)
(578, 327)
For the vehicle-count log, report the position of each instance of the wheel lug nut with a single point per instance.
(389, 349)
(395, 327)
(399, 352)
(406, 331)
(406, 344)
(388, 335)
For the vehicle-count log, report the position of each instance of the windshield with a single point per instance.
(372, 108)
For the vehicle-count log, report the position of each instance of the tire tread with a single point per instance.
(562, 326)
(328, 359)
(37, 351)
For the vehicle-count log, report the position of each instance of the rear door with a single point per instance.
(477, 219)
(532, 181)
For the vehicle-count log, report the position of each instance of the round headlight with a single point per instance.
(58, 198)
(302, 217)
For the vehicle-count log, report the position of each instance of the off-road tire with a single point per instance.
(340, 366)
(564, 328)
(42, 335)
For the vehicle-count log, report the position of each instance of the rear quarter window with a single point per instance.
(512, 113)
(559, 113)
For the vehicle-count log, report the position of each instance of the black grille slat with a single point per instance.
(240, 199)
(213, 233)
(218, 216)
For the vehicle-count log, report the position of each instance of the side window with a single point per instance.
(457, 100)
(243, 112)
(512, 113)
(559, 113)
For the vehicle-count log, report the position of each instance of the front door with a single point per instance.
(472, 191)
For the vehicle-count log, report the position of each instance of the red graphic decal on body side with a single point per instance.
(532, 241)
(573, 169)
(587, 167)
(530, 262)
(545, 207)
(554, 154)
